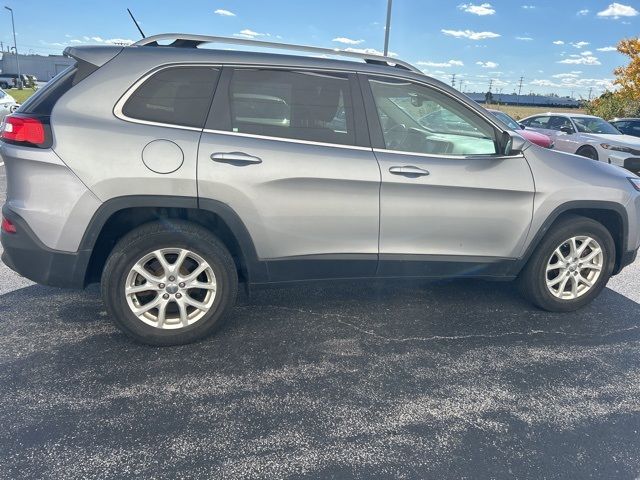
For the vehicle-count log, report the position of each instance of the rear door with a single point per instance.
(288, 151)
(450, 202)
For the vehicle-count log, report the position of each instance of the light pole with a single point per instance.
(386, 32)
(15, 46)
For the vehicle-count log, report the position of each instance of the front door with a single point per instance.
(449, 201)
(287, 151)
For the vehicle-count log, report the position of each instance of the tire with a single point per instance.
(588, 152)
(214, 289)
(534, 277)
(4, 86)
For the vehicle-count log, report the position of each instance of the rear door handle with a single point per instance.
(409, 171)
(235, 158)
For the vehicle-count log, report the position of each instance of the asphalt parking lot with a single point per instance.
(450, 379)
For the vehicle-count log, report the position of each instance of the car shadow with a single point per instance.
(334, 380)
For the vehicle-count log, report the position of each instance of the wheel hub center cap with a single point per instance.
(172, 289)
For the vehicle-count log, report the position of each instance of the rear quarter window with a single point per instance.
(175, 96)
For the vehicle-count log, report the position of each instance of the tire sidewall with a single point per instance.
(123, 259)
(577, 227)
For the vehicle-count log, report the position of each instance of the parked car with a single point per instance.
(588, 136)
(628, 126)
(164, 185)
(8, 104)
(534, 137)
(10, 80)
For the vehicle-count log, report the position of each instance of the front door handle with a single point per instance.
(235, 158)
(409, 171)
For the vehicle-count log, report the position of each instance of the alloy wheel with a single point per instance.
(574, 267)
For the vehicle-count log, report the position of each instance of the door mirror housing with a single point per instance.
(567, 130)
(522, 126)
(514, 144)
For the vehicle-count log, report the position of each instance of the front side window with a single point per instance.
(416, 118)
(558, 123)
(309, 106)
(595, 125)
(176, 96)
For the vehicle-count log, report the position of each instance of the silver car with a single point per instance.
(8, 104)
(172, 174)
(588, 136)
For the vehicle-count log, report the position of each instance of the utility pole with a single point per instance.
(453, 80)
(590, 92)
(461, 86)
(386, 31)
(490, 85)
(15, 46)
(520, 90)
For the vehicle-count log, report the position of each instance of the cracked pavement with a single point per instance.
(448, 379)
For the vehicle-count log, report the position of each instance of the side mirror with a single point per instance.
(522, 126)
(567, 130)
(515, 144)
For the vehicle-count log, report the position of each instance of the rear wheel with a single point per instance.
(570, 267)
(169, 283)
(589, 152)
(4, 85)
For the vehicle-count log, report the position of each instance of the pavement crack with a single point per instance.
(344, 320)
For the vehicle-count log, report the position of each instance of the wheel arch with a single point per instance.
(587, 146)
(611, 215)
(118, 216)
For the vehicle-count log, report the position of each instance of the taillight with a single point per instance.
(7, 226)
(23, 129)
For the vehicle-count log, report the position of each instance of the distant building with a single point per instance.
(526, 100)
(43, 67)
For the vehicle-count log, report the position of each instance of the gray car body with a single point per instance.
(306, 200)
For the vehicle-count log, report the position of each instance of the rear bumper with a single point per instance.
(25, 254)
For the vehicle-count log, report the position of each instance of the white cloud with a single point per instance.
(607, 49)
(470, 34)
(558, 42)
(107, 41)
(574, 82)
(487, 64)
(246, 33)
(369, 51)
(529, 7)
(579, 44)
(347, 41)
(482, 10)
(224, 13)
(617, 10)
(581, 60)
(450, 63)
(524, 39)
(583, 12)
(566, 75)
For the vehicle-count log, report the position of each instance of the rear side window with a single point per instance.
(311, 106)
(176, 96)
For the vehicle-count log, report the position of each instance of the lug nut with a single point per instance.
(181, 284)
(178, 295)
(171, 279)
(165, 296)
(162, 285)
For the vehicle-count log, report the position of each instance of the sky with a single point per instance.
(559, 46)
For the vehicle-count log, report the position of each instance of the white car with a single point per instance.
(589, 136)
(7, 104)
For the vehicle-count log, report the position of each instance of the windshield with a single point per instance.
(595, 125)
(506, 119)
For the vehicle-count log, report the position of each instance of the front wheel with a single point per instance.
(169, 283)
(570, 267)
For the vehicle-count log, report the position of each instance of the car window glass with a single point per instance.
(595, 125)
(537, 122)
(558, 123)
(507, 120)
(176, 96)
(297, 105)
(416, 118)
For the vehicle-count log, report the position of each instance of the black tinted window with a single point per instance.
(298, 105)
(178, 96)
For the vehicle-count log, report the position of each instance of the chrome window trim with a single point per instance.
(286, 139)
(452, 157)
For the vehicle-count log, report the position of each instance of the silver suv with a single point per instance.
(170, 174)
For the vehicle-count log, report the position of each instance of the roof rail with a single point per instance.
(192, 41)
